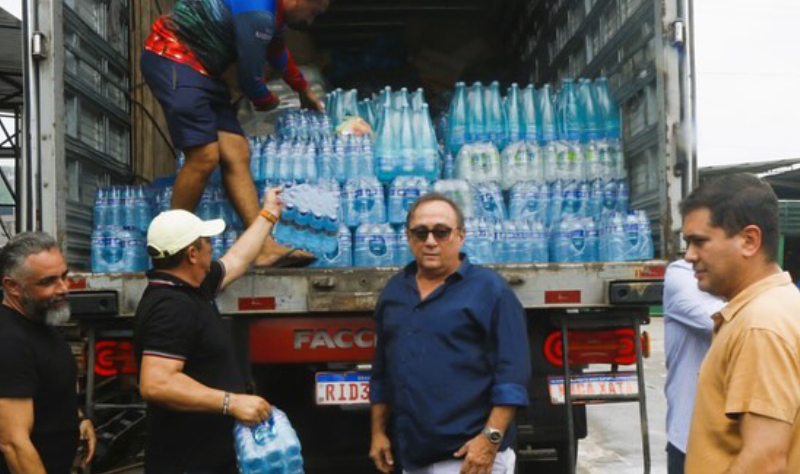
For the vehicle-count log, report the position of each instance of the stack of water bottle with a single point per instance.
(295, 161)
(561, 167)
(271, 447)
(121, 217)
(309, 219)
(405, 140)
(304, 125)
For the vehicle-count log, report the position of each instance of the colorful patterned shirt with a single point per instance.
(210, 35)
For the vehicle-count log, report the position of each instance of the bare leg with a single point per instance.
(191, 181)
(235, 160)
(236, 177)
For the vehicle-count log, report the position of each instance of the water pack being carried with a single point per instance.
(271, 447)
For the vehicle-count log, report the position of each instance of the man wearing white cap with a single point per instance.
(190, 379)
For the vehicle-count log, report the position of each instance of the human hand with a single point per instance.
(272, 201)
(86, 429)
(270, 102)
(380, 452)
(478, 454)
(249, 409)
(309, 100)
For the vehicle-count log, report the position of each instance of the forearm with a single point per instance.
(249, 244)
(183, 393)
(245, 250)
(21, 457)
(380, 417)
(500, 417)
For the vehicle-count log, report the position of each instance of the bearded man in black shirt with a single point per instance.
(39, 422)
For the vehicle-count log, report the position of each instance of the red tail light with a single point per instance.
(612, 346)
(114, 357)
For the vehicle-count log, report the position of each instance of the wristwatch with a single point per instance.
(494, 436)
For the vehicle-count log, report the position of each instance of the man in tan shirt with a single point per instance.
(747, 413)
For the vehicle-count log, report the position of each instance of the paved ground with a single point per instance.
(614, 443)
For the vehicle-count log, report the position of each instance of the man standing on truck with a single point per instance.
(40, 425)
(747, 411)
(687, 336)
(190, 378)
(451, 361)
(183, 62)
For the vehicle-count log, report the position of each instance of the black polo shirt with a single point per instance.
(37, 363)
(178, 321)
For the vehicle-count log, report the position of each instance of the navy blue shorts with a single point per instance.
(196, 106)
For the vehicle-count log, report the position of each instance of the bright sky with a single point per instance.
(748, 79)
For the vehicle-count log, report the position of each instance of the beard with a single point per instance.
(52, 312)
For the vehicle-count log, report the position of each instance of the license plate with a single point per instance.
(623, 383)
(342, 388)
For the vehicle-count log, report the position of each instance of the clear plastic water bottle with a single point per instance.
(99, 251)
(143, 209)
(485, 239)
(592, 248)
(342, 257)
(539, 238)
(633, 237)
(622, 197)
(596, 199)
(457, 126)
(428, 147)
(408, 147)
(646, 235)
(296, 157)
(284, 162)
(615, 237)
(496, 119)
(100, 208)
(498, 245)
(476, 114)
(386, 150)
(310, 161)
(448, 168)
(511, 243)
(610, 196)
(362, 257)
(396, 193)
(515, 114)
(548, 118)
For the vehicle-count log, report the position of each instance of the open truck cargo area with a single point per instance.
(307, 335)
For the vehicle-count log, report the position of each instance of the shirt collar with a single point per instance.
(748, 294)
(156, 277)
(460, 273)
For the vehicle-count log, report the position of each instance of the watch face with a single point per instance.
(495, 436)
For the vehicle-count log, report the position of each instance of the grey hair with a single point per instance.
(22, 246)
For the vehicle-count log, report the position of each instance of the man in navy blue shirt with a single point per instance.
(451, 361)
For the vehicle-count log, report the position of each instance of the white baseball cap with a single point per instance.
(172, 231)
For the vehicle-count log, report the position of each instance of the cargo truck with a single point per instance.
(307, 335)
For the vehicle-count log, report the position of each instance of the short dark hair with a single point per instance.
(22, 246)
(433, 197)
(736, 201)
(174, 261)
